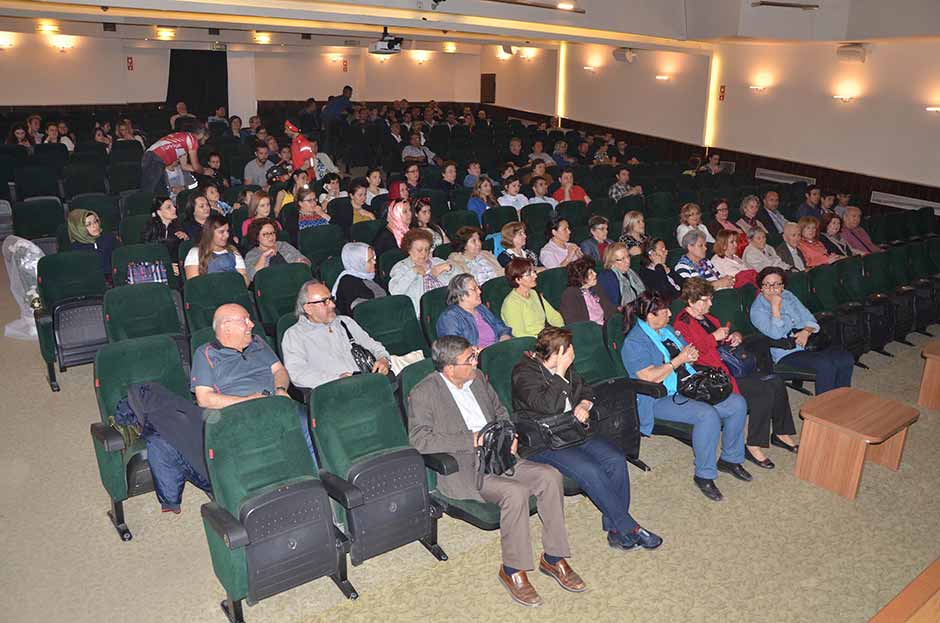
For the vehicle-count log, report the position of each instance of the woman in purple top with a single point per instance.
(467, 317)
(583, 300)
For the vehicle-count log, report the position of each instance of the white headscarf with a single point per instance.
(355, 256)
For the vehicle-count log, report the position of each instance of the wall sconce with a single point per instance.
(663, 78)
(166, 34)
(843, 98)
(758, 88)
(262, 38)
(382, 58)
(450, 47)
(421, 57)
(504, 53)
(335, 58)
(6, 41)
(928, 109)
(63, 43)
(590, 69)
(527, 54)
(47, 28)
(566, 5)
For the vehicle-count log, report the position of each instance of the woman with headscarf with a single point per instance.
(85, 235)
(398, 221)
(357, 281)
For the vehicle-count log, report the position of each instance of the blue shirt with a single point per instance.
(806, 209)
(639, 352)
(335, 108)
(457, 321)
(793, 316)
(234, 373)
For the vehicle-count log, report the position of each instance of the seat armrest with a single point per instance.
(656, 390)
(110, 439)
(441, 462)
(343, 491)
(220, 521)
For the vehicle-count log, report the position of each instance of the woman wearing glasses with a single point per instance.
(778, 314)
(267, 250)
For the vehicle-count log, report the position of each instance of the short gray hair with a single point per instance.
(691, 237)
(753, 231)
(457, 288)
(446, 349)
(302, 297)
(748, 199)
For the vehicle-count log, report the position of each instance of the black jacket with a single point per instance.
(156, 231)
(538, 393)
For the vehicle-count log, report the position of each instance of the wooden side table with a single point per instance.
(930, 380)
(919, 602)
(845, 427)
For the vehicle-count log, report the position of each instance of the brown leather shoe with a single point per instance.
(519, 588)
(566, 577)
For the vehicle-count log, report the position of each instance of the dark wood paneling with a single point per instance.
(488, 88)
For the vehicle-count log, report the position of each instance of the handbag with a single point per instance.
(560, 431)
(709, 385)
(361, 355)
(820, 340)
(494, 450)
(739, 361)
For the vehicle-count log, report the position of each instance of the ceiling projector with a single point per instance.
(387, 44)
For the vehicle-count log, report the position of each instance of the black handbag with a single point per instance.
(494, 450)
(561, 431)
(820, 340)
(614, 415)
(361, 355)
(708, 384)
(740, 361)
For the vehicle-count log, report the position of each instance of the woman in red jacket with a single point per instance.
(766, 394)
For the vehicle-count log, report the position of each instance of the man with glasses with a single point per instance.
(445, 412)
(318, 348)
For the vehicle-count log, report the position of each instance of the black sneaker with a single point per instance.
(617, 541)
(643, 537)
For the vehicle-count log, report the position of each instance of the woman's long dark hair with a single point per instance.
(649, 302)
(213, 222)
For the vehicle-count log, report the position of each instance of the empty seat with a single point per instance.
(141, 310)
(130, 260)
(276, 288)
(124, 176)
(36, 180)
(592, 360)
(433, 304)
(38, 218)
(205, 293)
(319, 243)
(84, 178)
(497, 362)
(455, 219)
(391, 321)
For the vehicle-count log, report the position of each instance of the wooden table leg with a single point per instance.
(930, 385)
(830, 459)
(888, 453)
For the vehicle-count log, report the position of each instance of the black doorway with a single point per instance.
(199, 78)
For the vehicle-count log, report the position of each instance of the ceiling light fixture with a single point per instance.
(6, 41)
(568, 6)
(843, 98)
(663, 78)
(450, 47)
(166, 34)
(48, 28)
(933, 109)
(757, 87)
(590, 68)
(262, 38)
(63, 43)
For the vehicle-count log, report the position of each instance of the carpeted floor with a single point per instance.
(778, 550)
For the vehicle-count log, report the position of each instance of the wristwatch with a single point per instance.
(280, 388)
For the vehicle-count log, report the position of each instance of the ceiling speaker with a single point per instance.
(624, 55)
(852, 53)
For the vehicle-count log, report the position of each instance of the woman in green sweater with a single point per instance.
(524, 310)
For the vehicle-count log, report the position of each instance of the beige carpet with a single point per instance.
(778, 550)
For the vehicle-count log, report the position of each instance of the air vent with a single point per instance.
(786, 5)
(782, 178)
(902, 202)
(214, 32)
(109, 27)
(351, 43)
(306, 36)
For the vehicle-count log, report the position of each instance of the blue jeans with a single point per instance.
(170, 471)
(833, 367)
(707, 423)
(600, 469)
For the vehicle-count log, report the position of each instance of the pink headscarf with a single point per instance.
(396, 220)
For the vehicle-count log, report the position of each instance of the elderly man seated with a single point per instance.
(319, 348)
(855, 234)
(445, 412)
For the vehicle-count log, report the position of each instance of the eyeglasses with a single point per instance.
(268, 234)
(471, 360)
(331, 299)
(244, 320)
(777, 285)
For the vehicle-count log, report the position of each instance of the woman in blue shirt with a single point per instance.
(467, 317)
(653, 352)
(779, 314)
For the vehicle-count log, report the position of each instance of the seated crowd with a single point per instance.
(291, 189)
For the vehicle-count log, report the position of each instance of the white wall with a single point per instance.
(885, 132)
(93, 71)
(628, 96)
(523, 84)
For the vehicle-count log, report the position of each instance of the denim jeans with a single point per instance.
(727, 419)
(833, 367)
(600, 469)
(170, 471)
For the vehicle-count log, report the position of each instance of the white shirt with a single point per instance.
(467, 403)
(518, 202)
(546, 199)
(370, 196)
(682, 230)
(797, 262)
(192, 258)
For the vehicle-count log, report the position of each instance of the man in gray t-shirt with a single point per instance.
(256, 170)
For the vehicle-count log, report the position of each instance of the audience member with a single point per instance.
(473, 174)
(827, 201)
(653, 352)
(545, 384)
(214, 253)
(811, 206)
(19, 135)
(726, 260)
(469, 257)
(398, 222)
(814, 251)
(299, 181)
(445, 412)
(712, 166)
(181, 113)
(267, 250)
(419, 272)
(374, 177)
(569, 191)
(766, 394)
(595, 246)
(466, 315)
(211, 190)
(515, 155)
(560, 154)
(832, 237)
(412, 178)
(789, 250)
(513, 239)
(855, 234)
(34, 127)
(356, 283)
(633, 232)
(843, 197)
(695, 264)
(721, 222)
(770, 215)
(583, 299)
(655, 272)
(164, 228)
(318, 348)
(558, 251)
(690, 218)
(415, 152)
(482, 198)
(779, 314)
(524, 309)
(85, 234)
(539, 154)
(750, 206)
(177, 149)
(621, 188)
(448, 181)
(540, 192)
(618, 281)
(197, 211)
(337, 106)
(758, 255)
(256, 171)
(424, 219)
(512, 197)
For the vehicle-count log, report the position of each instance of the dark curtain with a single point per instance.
(199, 78)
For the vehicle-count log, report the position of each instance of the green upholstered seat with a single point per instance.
(386, 261)
(433, 304)
(391, 320)
(38, 218)
(495, 218)
(275, 289)
(284, 323)
(551, 283)
(497, 362)
(205, 293)
(493, 292)
(455, 219)
(124, 255)
(575, 212)
(319, 243)
(591, 357)
(330, 270)
(141, 310)
(366, 231)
